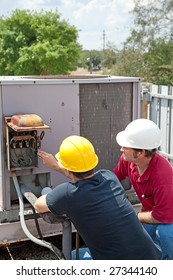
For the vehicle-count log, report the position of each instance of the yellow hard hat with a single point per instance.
(77, 154)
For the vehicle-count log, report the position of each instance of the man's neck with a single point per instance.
(142, 165)
(75, 179)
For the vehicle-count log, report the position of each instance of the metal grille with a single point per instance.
(105, 109)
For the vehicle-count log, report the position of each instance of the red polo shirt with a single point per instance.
(154, 188)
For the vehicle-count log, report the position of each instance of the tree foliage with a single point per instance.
(90, 58)
(34, 43)
(159, 60)
(128, 64)
(109, 56)
(153, 21)
(148, 52)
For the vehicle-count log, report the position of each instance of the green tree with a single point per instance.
(34, 43)
(109, 56)
(88, 58)
(129, 63)
(153, 21)
(150, 45)
(160, 62)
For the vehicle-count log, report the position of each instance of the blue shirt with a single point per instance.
(103, 216)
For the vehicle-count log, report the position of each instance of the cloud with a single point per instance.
(91, 17)
(94, 16)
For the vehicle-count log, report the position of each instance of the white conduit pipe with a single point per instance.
(24, 227)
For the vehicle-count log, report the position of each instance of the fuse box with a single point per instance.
(22, 144)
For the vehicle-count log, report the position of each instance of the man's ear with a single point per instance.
(67, 173)
(142, 153)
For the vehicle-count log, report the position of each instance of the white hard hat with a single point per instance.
(140, 134)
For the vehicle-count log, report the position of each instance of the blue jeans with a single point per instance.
(162, 234)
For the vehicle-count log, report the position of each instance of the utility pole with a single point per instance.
(103, 52)
(89, 60)
(104, 36)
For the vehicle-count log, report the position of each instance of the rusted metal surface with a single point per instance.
(13, 232)
(28, 250)
(20, 128)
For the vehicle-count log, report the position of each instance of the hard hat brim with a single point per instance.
(121, 140)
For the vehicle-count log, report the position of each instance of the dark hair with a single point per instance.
(82, 175)
(148, 153)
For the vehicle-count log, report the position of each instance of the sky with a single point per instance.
(98, 21)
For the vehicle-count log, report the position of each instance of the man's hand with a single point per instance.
(50, 161)
(147, 218)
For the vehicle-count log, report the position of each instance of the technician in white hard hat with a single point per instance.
(151, 176)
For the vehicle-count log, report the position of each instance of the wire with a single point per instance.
(37, 223)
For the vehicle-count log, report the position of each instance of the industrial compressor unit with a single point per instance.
(94, 106)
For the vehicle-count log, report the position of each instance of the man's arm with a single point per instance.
(40, 204)
(147, 218)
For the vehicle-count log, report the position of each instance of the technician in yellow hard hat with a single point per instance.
(96, 204)
(151, 176)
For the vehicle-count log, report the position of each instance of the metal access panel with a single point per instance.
(58, 105)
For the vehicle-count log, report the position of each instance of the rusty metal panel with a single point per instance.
(105, 109)
(13, 232)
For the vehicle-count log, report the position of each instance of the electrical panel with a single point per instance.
(22, 144)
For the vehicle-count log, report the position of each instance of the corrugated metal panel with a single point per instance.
(105, 109)
(161, 112)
